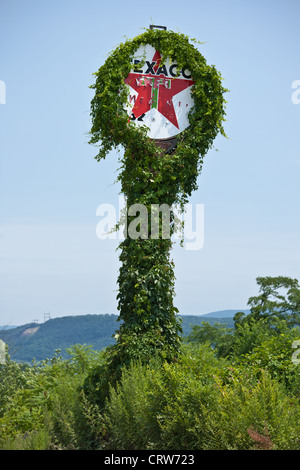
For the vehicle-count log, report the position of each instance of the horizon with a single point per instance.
(38, 322)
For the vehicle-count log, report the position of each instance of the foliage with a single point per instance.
(199, 404)
(34, 440)
(200, 401)
(216, 335)
(272, 315)
(12, 377)
(45, 403)
(149, 176)
(275, 355)
(233, 390)
(146, 291)
(279, 296)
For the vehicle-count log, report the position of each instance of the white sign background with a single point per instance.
(160, 127)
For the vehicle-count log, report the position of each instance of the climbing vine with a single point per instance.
(149, 175)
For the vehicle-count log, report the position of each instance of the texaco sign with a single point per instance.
(159, 94)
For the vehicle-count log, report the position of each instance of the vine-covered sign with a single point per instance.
(160, 95)
(111, 125)
(154, 89)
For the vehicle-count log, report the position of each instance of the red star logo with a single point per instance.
(156, 90)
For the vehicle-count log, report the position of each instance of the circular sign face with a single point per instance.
(159, 94)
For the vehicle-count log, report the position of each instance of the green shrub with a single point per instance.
(198, 401)
(130, 414)
(275, 356)
(200, 404)
(34, 440)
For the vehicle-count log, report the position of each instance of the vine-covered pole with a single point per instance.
(146, 279)
(132, 91)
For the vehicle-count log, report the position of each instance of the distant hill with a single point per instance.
(40, 341)
(7, 327)
(221, 316)
(224, 313)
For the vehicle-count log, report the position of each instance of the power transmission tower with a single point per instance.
(46, 316)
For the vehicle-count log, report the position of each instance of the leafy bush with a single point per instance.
(42, 403)
(13, 376)
(275, 356)
(199, 404)
(33, 440)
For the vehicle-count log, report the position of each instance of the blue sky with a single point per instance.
(51, 186)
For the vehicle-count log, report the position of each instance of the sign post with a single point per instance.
(157, 97)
